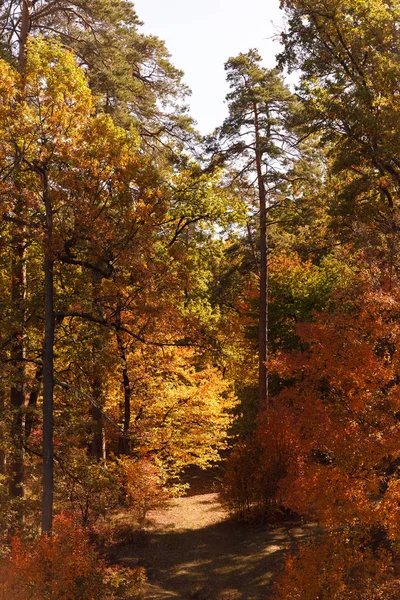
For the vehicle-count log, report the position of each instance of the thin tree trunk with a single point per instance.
(16, 467)
(17, 389)
(3, 455)
(97, 447)
(124, 443)
(31, 417)
(18, 297)
(48, 368)
(26, 11)
(263, 306)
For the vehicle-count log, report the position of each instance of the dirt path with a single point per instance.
(193, 551)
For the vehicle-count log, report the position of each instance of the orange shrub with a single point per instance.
(342, 405)
(337, 569)
(63, 566)
(144, 486)
(254, 471)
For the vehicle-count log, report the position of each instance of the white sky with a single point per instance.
(202, 34)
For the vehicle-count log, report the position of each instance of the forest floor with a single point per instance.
(192, 550)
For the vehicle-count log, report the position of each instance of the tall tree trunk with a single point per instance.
(124, 442)
(17, 389)
(48, 367)
(3, 454)
(18, 297)
(97, 447)
(263, 305)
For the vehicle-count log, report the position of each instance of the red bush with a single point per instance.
(254, 471)
(337, 568)
(63, 566)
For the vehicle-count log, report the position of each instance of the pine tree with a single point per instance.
(347, 54)
(252, 139)
(132, 72)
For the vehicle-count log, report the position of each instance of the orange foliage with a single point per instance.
(344, 404)
(336, 569)
(144, 486)
(341, 407)
(63, 566)
(254, 470)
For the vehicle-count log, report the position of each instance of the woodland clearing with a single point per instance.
(193, 550)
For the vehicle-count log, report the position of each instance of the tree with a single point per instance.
(340, 410)
(137, 83)
(252, 138)
(97, 206)
(129, 70)
(347, 52)
(134, 77)
(50, 132)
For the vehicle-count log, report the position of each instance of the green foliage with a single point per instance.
(129, 71)
(297, 289)
(256, 93)
(348, 56)
(124, 580)
(87, 488)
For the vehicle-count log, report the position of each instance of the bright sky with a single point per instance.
(202, 34)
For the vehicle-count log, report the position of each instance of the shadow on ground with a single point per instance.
(188, 556)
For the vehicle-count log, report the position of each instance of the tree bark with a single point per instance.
(18, 297)
(97, 447)
(48, 367)
(3, 454)
(263, 303)
(26, 13)
(124, 443)
(31, 416)
(17, 389)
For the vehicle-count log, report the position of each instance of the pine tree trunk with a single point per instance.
(263, 303)
(3, 455)
(18, 297)
(48, 368)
